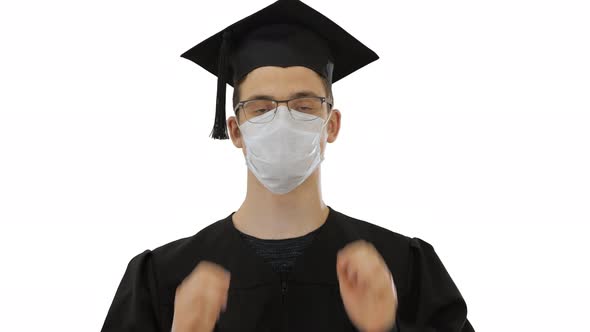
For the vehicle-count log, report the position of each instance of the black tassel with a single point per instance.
(219, 127)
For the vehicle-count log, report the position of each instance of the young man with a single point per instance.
(285, 261)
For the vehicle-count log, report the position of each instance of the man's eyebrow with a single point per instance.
(304, 93)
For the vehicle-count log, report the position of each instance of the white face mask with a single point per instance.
(284, 152)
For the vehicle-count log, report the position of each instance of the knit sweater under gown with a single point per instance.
(281, 253)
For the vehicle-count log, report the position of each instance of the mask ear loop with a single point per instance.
(244, 121)
(327, 120)
(322, 133)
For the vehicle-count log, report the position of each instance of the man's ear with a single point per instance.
(234, 131)
(333, 125)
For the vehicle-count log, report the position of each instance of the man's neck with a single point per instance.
(270, 216)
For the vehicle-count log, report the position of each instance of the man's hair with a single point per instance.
(236, 94)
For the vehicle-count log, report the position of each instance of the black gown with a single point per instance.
(307, 298)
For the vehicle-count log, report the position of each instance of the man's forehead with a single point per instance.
(272, 82)
(288, 72)
(289, 95)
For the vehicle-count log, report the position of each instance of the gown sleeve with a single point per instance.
(134, 305)
(431, 301)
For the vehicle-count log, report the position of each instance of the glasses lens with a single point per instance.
(306, 108)
(259, 110)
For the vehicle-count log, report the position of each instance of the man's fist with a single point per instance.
(200, 298)
(366, 287)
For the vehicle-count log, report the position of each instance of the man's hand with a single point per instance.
(200, 298)
(366, 287)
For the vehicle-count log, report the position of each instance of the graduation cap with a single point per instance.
(285, 33)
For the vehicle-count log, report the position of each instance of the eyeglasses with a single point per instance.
(301, 108)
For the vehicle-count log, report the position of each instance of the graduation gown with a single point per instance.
(307, 298)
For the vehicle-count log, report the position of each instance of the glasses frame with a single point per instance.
(286, 101)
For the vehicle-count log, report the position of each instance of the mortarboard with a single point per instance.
(285, 33)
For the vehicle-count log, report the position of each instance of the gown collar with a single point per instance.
(316, 264)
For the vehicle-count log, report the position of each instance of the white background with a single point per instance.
(470, 132)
